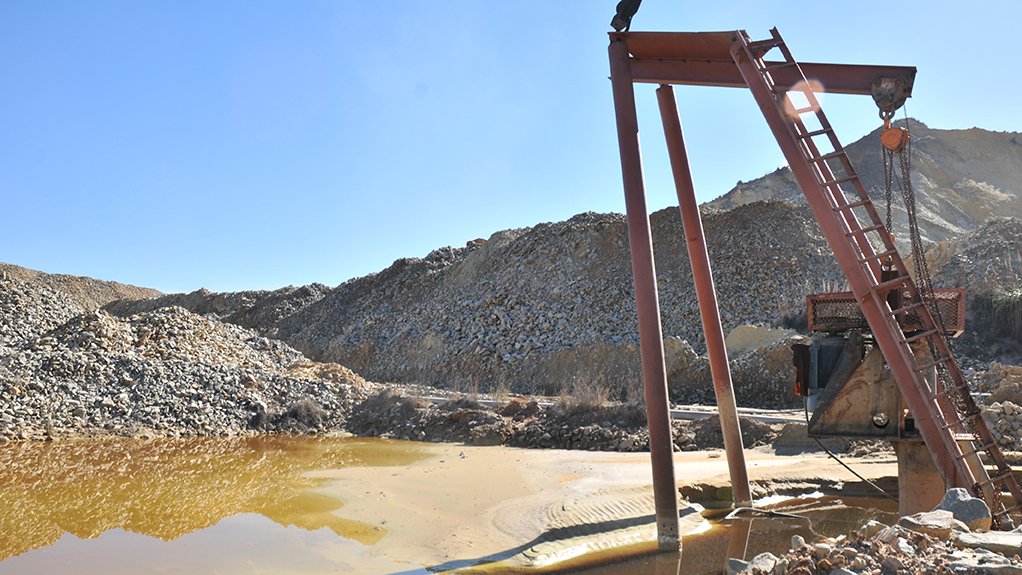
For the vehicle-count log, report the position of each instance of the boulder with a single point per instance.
(1004, 383)
(970, 510)
(981, 562)
(1007, 543)
(736, 566)
(939, 523)
(762, 563)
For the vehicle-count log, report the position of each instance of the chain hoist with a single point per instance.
(889, 95)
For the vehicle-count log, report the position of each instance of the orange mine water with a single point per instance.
(307, 505)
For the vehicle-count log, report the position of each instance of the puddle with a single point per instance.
(255, 505)
(707, 553)
(203, 505)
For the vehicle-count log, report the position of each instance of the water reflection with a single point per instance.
(707, 553)
(168, 488)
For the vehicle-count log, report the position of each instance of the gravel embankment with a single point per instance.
(67, 369)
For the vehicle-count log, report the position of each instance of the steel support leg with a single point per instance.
(651, 342)
(702, 275)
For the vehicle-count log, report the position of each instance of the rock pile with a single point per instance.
(1004, 418)
(932, 542)
(1003, 382)
(543, 309)
(27, 311)
(78, 292)
(988, 263)
(165, 372)
(260, 310)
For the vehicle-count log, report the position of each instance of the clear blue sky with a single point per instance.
(243, 145)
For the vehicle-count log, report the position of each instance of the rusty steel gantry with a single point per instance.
(784, 89)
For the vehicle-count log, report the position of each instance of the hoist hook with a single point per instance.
(894, 139)
(889, 95)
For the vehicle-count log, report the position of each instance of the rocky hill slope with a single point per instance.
(550, 309)
(961, 178)
(543, 309)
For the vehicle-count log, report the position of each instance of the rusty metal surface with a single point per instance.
(651, 346)
(884, 330)
(848, 404)
(704, 59)
(839, 312)
(832, 78)
(679, 45)
(702, 275)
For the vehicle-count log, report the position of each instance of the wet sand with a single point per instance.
(464, 505)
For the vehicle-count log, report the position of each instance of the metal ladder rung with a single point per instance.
(851, 205)
(800, 111)
(906, 309)
(949, 392)
(878, 256)
(764, 46)
(1008, 510)
(776, 65)
(839, 181)
(892, 284)
(996, 478)
(825, 157)
(866, 230)
(962, 420)
(978, 450)
(920, 336)
(815, 133)
(927, 366)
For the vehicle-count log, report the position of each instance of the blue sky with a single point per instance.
(251, 145)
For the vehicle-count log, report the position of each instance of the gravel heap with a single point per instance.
(260, 310)
(78, 292)
(66, 371)
(28, 311)
(542, 309)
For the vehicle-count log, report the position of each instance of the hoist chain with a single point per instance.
(923, 277)
(888, 185)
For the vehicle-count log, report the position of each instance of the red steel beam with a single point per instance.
(651, 341)
(834, 78)
(704, 59)
(702, 275)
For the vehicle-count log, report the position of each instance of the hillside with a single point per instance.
(550, 308)
(961, 178)
(545, 308)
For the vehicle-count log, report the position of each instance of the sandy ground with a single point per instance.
(465, 504)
